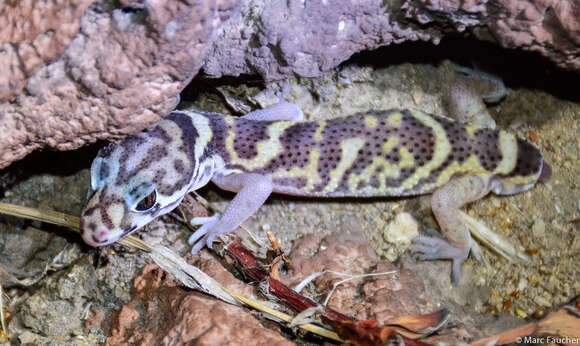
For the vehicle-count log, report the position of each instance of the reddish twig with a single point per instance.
(367, 332)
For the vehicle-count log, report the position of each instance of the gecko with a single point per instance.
(396, 152)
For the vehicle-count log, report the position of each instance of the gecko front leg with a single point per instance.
(445, 204)
(252, 191)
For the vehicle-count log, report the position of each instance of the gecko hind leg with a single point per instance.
(466, 97)
(445, 204)
(491, 87)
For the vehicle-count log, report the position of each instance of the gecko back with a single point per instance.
(388, 153)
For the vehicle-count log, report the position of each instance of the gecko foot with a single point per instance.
(203, 235)
(437, 248)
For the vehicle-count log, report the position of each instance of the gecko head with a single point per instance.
(126, 193)
(111, 214)
(139, 179)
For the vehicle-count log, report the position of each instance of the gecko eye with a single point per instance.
(147, 203)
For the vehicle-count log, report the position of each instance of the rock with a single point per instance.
(57, 309)
(89, 70)
(79, 74)
(187, 316)
(539, 228)
(551, 28)
(399, 233)
(27, 45)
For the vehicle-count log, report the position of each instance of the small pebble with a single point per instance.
(399, 233)
(543, 301)
(539, 228)
(523, 284)
(533, 136)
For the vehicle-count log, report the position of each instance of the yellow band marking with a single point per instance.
(203, 128)
(407, 159)
(440, 151)
(471, 165)
(370, 121)
(309, 172)
(508, 146)
(350, 148)
(518, 183)
(318, 134)
(382, 169)
(390, 144)
(471, 129)
(229, 120)
(267, 149)
(394, 120)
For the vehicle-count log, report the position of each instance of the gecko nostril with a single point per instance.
(102, 234)
(101, 237)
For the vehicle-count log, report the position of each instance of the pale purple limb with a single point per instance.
(252, 191)
(445, 204)
(432, 248)
(281, 111)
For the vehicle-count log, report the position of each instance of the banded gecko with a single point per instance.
(397, 152)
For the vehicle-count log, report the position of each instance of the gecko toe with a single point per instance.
(195, 237)
(430, 248)
(203, 220)
(438, 248)
(207, 225)
(209, 240)
(198, 246)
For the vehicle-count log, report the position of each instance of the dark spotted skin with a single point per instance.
(414, 146)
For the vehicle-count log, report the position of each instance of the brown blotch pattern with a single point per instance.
(486, 147)
(417, 138)
(188, 138)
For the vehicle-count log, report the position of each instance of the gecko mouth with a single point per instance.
(131, 230)
(122, 235)
(103, 242)
(94, 241)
